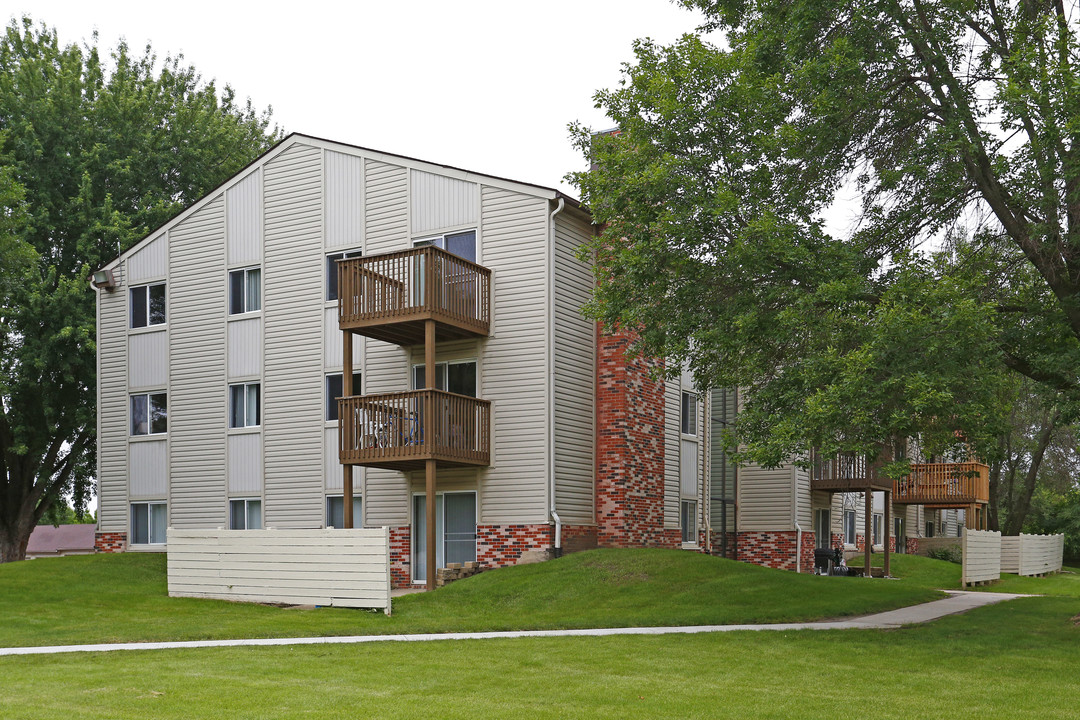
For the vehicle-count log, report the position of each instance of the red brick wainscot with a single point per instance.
(401, 557)
(776, 549)
(630, 448)
(110, 542)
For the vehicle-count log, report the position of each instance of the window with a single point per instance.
(462, 244)
(149, 414)
(331, 271)
(148, 523)
(148, 305)
(877, 529)
(244, 408)
(689, 521)
(822, 529)
(335, 390)
(458, 376)
(689, 413)
(245, 514)
(335, 511)
(929, 528)
(849, 527)
(245, 291)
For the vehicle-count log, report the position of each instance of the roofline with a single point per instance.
(292, 138)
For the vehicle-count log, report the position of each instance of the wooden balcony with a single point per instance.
(390, 296)
(944, 485)
(402, 430)
(846, 472)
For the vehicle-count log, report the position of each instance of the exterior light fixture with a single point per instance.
(103, 280)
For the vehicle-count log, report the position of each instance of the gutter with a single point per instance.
(551, 376)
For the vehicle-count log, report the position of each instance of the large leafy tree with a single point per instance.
(94, 153)
(955, 123)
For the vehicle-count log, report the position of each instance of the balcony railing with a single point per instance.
(404, 429)
(944, 485)
(389, 296)
(846, 472)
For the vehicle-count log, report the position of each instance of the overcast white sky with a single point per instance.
(481, 84)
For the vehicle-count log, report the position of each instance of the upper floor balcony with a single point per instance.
(846, 472)
(390, 296)
(402, 430)
(944, 485)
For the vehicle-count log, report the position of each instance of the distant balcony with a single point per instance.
(402, 430)
(944, 485)
(390, 296)
(846, 472)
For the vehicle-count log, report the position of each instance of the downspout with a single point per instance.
(551, 376)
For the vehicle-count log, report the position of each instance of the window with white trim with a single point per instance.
(148, 305)
(462, 244)
(148, 523)
(929, 528)
(245, 514)
(245, 290)
(332, 271)
(689, 413)
(245, 409)
(149, 414)
(849, 527)
(335, 390)
(335, 510)
(688, 521)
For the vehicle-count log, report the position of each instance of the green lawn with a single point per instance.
(1019, 659)
(118, 598)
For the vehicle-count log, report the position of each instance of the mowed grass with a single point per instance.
(123, 598)
(1018, 659)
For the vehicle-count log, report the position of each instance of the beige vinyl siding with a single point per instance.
(805, 515)
(112, 408)
(148, 469)
(245, 463)
(344, 200)
(293, 312)
(148, 359)
(197, 416)
(334, 481)
(513, 235)
(440, 202)
(245, 347)
(575, 374)
(386, 217)
(151, 262)
(765, 498)
(243, 220)
(672, 454)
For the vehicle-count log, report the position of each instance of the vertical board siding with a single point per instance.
(514, 232)
(386, 218)
(197, 417)
(148, 469)
(442, 202)
(341, 568)
(245, 464)
(672, 455)
(243, 220)
(150, 262)
(112, 479)
(245, 347)
(293, 368)
(575, 375)
(981, 556)
(344, 200)
(148, 359)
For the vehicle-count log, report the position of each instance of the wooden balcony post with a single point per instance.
(888, 528)
(868, 532)
(429, 440)
(346, 391)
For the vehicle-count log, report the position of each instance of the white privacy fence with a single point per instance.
(1032, 554)
(982, 556)
(342, 568)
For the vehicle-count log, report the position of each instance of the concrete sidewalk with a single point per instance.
(957, 602)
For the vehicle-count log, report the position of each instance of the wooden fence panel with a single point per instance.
(1040, 554)
(1010, 554)
(982, 556)
(331, 567)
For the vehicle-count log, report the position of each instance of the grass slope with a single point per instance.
(122, 598)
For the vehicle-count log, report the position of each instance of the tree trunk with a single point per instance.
(995, 483)
(13, 541)
(1022, 506)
